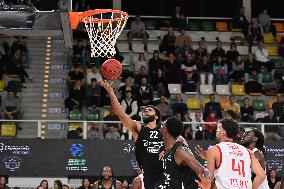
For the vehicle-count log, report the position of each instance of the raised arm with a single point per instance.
(131, 125)
(258, 171)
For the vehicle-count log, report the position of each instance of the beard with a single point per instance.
(148, 119)
(245, 143)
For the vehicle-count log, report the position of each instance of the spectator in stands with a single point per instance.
(255, 33)
(65, 186)
(93, 93)
(111, 117)
(168, 42)
(177, 116)
(112, 134)
(137, 29)
(272, 179)
(95, 73)
(179, 106)
(265, 21)
(261, 55)
(95, 132)
(75, 74)
(182, 39)
(82, 5)
(19, 44)
(125, 185)
(278, 106)
(11, 106)
(178, 19)
(198, 127)
(189, 83)
(159, 83)
(212, 105)
(218, 51)
(220, 70)
(247, 111)
(231, 56)
(189, 65)
(17, 59)
(44, 184)
(187, 132)
(210, 128)
(77, 95)
(240, 21)
(3, 183)
(237, 73)
(271, 131)
(57, 184)
(143, 73)
(78, 52)
(200, 51)
(281, 47)
(4, 48)
(117, 55)
(144, 93)
(141, 62)
(173, 71)
(126, 87)
(130, 106)
(75, 134)
(181, 52)
(205, 69)
(252, 69)
(233, 105)
(164, 108)
(156, 63)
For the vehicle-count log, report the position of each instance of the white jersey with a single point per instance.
(234, 171)
(264, 184)
(141, 177)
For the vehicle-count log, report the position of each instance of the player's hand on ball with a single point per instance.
(200, 152)
(106, 86)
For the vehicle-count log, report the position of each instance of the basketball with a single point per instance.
(111, 69)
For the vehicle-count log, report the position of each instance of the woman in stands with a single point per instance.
(44, 184)
(3, 183)
(85, 184)
(57, 184)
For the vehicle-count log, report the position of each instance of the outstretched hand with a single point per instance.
(200, 152)
(204, 183)
(106, 86)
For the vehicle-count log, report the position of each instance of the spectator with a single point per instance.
(220, 70)
(65, 186)
(233, 105)
(3, 183)
(144, 93)
(273, 179)
(164, 108)
(95, 73)
(125, 185)
(117, 55)
(159, 83)
(181, 52)
(179, 106)
(255, 32)
(205, 69)
(44, 184)
(247, 111)
(173, 71)
(182, 39)
(19, 44)
(271, 131)
(252, 69)
(95, 132)
(281, 47)
(218, 51)
(261, 55)
(210, 128)
(85, 184)
(111, 117)
(126, 87)
(178, 19)
(240, 21)
(57, 184)
(278, 106)
(141, 62)
(137, 29)
(76, 97)
(189, 84)
(93, 93)
(156, 63)
(177, 116)
(168, 42)
(265, 21)
(189, 65)
(75, 74)
(198, 127)
(212, 105)
(17, 59)
(142, 74)
(130, 106)
(200, 51)
(11, 106)
(231, 56)
(112, 134)
(237, 73)
(82, 5)
(75, 134)
(78, 53)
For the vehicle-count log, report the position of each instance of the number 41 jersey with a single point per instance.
(234, 171)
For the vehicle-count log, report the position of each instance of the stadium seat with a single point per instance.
(8, 130)
(272, 50)
(150, 24)
(93, 115)
(267, 77)
(205, 100)
(75, 114)
(268, 38)
(106, 112)
(193, 25)
(278, 63)
(222, 89)
(238, 90)
(240, 102)
(279, 37)
(207, 26)
(258, 105)
(270, 102)
(74, 126)
(2, 85)
(174, 88)
(279, 27)
(193, 104)
(221, 26)
(206, 89)
(224, 102)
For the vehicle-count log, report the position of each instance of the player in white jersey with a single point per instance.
(232, 163)
(253, 140)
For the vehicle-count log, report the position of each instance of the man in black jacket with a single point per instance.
(212, 105)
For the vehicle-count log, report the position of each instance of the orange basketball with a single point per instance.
(111, 69)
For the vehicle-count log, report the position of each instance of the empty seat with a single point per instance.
(278, 63)
(106, 112)
(258, 105)
(272, 50)
(222, 89)
(193, 104)
(279, 37)
(1, 85)
(224, 102)
(206, 89)
(150, 24)
(266, 77)
(205, 100)
(270, 102)
(8, 130)
(240, 102)
(221, 26)
(238, 90)
(74, 126)
(93, 115)
(207, 26)
(75, 114)
(193, 25)
(174, 88)
(268, 38)
(279, 27)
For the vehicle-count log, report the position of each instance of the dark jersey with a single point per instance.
(176, 176)
(101, 186)
(148, 146)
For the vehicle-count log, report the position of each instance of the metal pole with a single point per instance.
(85, 129)
(39, 129)
(262, 128)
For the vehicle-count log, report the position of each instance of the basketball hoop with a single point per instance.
(103, 27)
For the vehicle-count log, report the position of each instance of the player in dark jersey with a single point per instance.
(147, 137)
(106, 181)
(178, 159)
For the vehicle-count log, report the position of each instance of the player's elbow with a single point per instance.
(261, 175)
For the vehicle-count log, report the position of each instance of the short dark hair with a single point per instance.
(260, 140)
(93, 79)
(231, 127)
(232, 96)
(65, 185)
(174, 126)
(156, 51)
(79, 129)
(158, 113)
